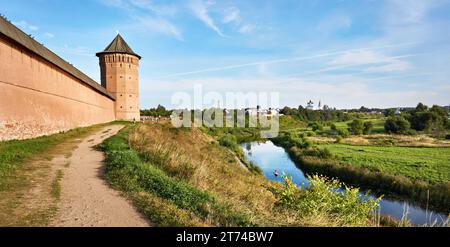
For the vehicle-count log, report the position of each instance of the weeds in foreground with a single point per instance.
(321, 199)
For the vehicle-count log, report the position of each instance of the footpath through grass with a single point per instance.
(29, 180)
(14, 153)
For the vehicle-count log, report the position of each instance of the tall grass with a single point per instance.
(145, 181)
(321, 200)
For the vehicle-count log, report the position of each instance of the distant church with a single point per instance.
(42, 94)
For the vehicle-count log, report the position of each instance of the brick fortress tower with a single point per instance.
(119, 67)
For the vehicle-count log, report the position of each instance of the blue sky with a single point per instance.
(346, 53)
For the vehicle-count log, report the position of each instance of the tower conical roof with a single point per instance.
(118, 45)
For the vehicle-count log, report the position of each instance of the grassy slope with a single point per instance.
(162, 169)
(187, 158)
(426, 164)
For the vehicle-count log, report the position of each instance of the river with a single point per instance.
(270, 157)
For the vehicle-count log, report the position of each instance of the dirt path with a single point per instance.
(86, 199)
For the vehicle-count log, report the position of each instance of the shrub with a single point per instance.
(310, 133)
(343, 133)
(411, 132)
(228, 140)
(447, 137)
(321, 198)
(368, 126)
(397, 124)
(356, 127)
(333, 127)
(315, 126)
(317, 152)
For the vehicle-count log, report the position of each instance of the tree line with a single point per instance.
(421, 118)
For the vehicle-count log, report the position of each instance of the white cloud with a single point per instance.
(392, 66)
(381, 62)
(77, 50)
(247, 28)
(354, 92)
(155, 19)
(161, 26)
(49, 35)
(410, 11)
(232, 15)
(25, 26)
(160, 9)
(360, 57)
(200, 10)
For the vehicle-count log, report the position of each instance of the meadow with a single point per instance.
(427, 164)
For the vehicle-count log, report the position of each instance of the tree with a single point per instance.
(421, 108)
(428, 119)
(333, 127)
(397, 124)
(356, 127)
(389, 112)
(315, 126)
(368, 126)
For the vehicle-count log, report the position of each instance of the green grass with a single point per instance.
(378, 125)
(56, 186)
(151, 187)
(14, 153)
(426, 164)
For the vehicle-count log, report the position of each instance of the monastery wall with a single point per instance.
(38, 98)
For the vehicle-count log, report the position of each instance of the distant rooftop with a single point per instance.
(118, 45)
(12, 32)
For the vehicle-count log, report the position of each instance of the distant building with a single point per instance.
(310, 105)
(398, 111)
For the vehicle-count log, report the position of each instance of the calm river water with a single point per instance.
(270, 157)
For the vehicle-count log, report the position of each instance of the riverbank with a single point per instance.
(184, 177)
(315, 160)
(271, 157)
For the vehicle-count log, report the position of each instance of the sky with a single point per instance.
(345, 53)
